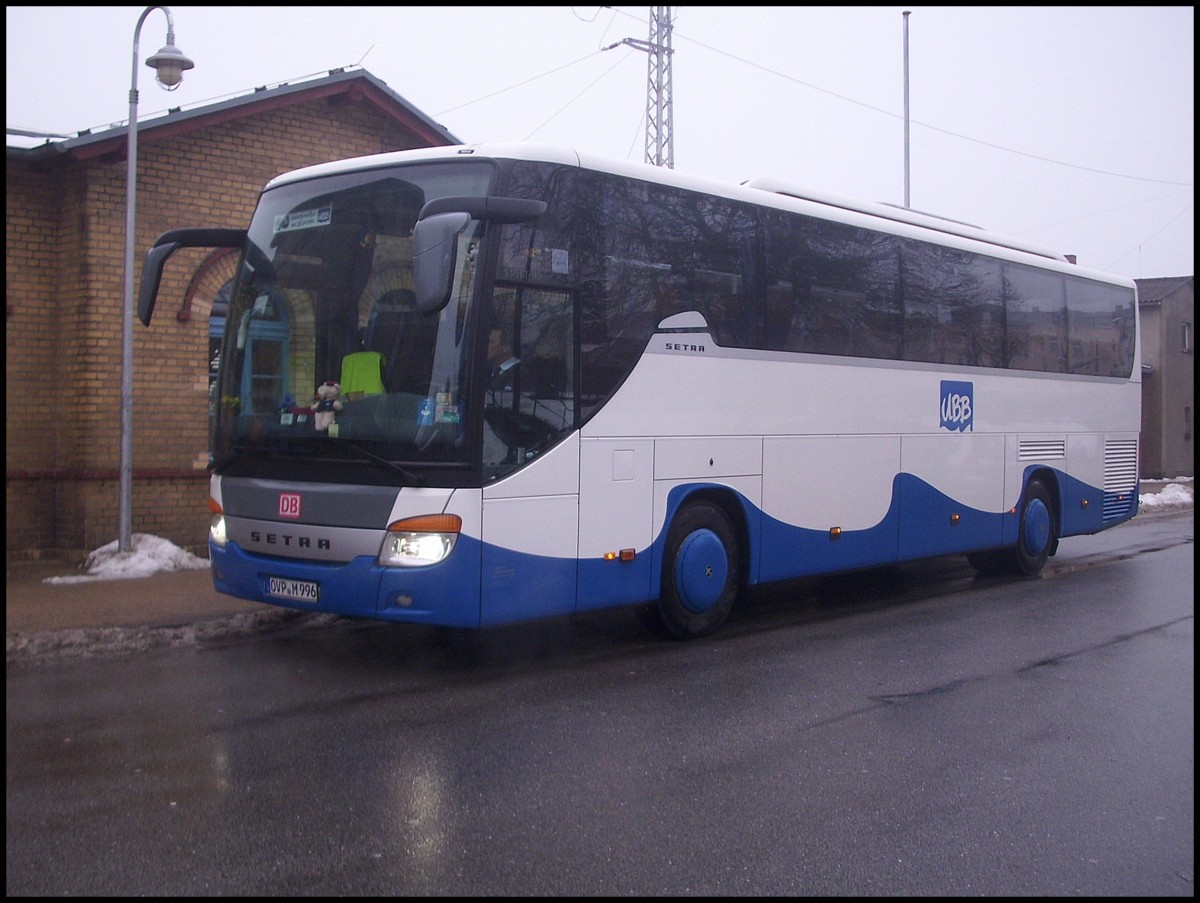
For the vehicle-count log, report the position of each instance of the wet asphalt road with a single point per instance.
(906, 731)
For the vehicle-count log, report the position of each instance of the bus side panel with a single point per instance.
(827, 504)
(1081, 488)
(1102, 489)
(951, 494)
(616, 500)
(522, 585)
(530, 534)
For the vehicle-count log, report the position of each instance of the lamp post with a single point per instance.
(170, 64)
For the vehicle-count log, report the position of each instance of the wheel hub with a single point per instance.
(701, 570)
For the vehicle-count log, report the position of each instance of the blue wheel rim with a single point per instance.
(701, 570)
(1036, 528)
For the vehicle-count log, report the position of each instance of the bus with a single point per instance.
(474, 385)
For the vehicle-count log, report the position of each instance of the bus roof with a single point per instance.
(765, 191)
(901, 215)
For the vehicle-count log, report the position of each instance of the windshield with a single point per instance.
(325, 355)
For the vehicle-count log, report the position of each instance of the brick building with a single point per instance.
(65, 277)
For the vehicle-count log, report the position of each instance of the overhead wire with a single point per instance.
(814, 87)
(926, 125)
(521, 84)
(836, 95)
(587, 88)
(1154, 234)
(818, 88)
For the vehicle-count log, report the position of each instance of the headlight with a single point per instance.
(216, 526)
(420, 541)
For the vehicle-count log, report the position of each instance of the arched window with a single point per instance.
(264, 337)
(208, 295)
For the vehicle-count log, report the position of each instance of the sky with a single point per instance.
(1069, 127)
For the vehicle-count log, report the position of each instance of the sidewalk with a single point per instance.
(169, 599)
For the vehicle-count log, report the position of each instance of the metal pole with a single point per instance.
(906, 14)
(125, 509)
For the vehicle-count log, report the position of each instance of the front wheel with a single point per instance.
(702, 573)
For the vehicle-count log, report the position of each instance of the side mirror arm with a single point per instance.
(166, 245)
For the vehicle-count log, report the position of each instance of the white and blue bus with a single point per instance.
(558, 383)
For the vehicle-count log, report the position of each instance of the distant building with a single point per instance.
(65, 203)
(1167, 307)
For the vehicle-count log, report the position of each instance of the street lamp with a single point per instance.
(170, 64)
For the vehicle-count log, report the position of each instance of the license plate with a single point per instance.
(300, 590)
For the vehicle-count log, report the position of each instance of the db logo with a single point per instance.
(289, 504)
(958, 407)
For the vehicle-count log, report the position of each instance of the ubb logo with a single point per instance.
(958, 407)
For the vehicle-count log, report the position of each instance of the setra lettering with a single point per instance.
(285, 539)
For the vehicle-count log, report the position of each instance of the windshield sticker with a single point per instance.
(425, 412)
(559, 261)
(446, 411)
(303, 219)
(958, 405)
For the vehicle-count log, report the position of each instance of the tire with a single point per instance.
(1035, 530)
(702, 574)
(1036, 538)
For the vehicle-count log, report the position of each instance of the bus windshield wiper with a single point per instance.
(239, 452)
(378, 459)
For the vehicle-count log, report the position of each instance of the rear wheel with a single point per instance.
(1035, 529)
(702, 573)
(1036, 536)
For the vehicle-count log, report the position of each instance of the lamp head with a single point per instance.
(171, 64)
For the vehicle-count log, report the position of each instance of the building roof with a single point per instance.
(350, 84)
(1153, 291)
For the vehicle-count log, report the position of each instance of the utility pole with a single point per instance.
(906, 158)
(660, 137)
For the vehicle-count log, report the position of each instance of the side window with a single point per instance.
(952, 306)
(664, 251)
(529, 390)
(830, 288)
(1036, 314)
(722, 273)
(1101, 325)
(545, 382)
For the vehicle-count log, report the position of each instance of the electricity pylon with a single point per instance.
(660, 138)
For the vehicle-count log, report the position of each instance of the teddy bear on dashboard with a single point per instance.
(327, 404)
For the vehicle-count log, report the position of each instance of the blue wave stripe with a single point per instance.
(481, 585)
